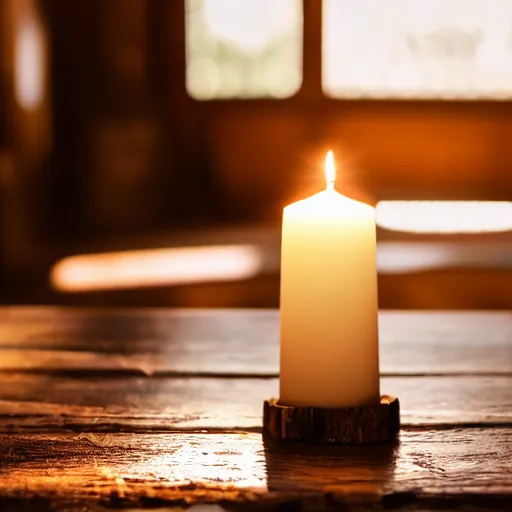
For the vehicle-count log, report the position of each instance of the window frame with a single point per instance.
(408, 117)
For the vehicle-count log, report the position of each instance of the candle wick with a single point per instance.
(330, 171)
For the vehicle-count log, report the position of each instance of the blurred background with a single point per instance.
(147, 148)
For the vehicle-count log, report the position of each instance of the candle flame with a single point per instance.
(330, 170)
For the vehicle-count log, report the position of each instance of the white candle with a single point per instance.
(329, 339)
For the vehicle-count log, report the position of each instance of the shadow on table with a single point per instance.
(346, 469)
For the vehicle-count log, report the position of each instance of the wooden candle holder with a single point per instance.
(366, 424)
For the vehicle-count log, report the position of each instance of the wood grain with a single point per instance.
(368, 424)
(236, 342)
(36, 401)
(142, 409)
(224, 465)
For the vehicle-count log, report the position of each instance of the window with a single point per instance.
(445, 49)
(243, 48)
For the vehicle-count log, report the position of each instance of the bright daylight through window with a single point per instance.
(445, 49)
(243, 49)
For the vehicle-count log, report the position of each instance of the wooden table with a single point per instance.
(158, 408)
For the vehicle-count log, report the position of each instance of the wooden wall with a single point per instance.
(26, 142)
(143, 153)
(119, 148)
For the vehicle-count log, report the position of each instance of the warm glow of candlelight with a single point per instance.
(328, 293)
(330, 170)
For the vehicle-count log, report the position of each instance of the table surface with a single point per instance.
(162, 408)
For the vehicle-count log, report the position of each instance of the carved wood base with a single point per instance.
(348, 425)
